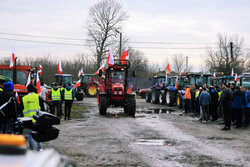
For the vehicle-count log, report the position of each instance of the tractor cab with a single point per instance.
(197, 80)
(244, 80)
(64, 78)
(115, 89)
(89, 84)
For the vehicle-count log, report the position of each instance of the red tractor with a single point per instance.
(114, 90)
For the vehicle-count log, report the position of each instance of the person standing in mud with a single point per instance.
(204, 101)
(226, 101)
(214, 103)
(187, 99)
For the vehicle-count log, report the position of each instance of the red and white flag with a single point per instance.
(28, 80)
(236, 78)
(168, 69)
(232, 73)
(12, 60)
(17, 98)
(77, 84)
(125, 56)
(59, 68)
(40, 69)
(101, 68)
(110, 58)
(214, 75)
(180, 74)
(38, 86)
(176, 83)
(80, 73)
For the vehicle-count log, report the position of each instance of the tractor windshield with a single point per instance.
(160, 80)
(117, 76)
(246, 82)
(64, 79)
(21, 76)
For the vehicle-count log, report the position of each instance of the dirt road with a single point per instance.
(158, 136)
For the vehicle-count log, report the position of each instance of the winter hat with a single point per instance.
(9, 86)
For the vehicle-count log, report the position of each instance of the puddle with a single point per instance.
(153, 142)
(155, 111)
(219, 138)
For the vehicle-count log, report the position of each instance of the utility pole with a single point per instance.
(15, 73)
(186, 63)
(120, 49)
(231, 50)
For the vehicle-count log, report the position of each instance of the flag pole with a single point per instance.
(14, 73)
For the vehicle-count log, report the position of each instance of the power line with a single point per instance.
(172, 43)
(196, 48)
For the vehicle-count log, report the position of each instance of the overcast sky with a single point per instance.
(178, 21)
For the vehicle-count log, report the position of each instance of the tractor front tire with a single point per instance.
(131, 106)
(79, 96)
(102, 105)
(155, 96)
(91, 90)
(148, 96)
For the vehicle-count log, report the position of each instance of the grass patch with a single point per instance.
(77, 110)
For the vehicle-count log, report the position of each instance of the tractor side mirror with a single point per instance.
(100, 73)
(133, 74)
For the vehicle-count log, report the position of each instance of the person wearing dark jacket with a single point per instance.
(8, 114)
(226, 101)
(68, 96)
(247, 109)
(239, 104)
(214, 103)
(56, 96)
(204, 101)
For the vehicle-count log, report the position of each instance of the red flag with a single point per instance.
(167, 69)
(17, 98)
(40, 69)
(12, 60)
(110, 58)
(59, 68)
(214, 75)
(176, 83)
(77, 84)
(28, 80)
(236, 78)
(124, 56)
(180, 74)
(101, 68)
(38, 86)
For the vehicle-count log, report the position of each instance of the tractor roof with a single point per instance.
(198, 74)
(227, 77)
(20, 68)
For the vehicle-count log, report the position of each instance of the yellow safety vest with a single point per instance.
(219, 93)
(55, 95)
(1, 89)
(31, 105)
(197, 94)
(68, 94)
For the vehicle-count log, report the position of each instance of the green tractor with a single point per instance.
(244, 80)
(64, 79)
(89, 85)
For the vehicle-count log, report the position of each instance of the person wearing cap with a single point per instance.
(8, 114)
(238, 105)
(68, 96)
(56, 97)
(30, 104)
(205, 100)
(214, 103)
(226, 101)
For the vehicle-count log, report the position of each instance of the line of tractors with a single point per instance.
(166, 92)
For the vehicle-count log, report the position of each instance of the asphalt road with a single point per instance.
(157, 136)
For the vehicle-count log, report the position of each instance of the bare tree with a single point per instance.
(104, 23)
(221, 60)
(178, 63)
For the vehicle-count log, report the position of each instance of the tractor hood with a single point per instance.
(117, 89)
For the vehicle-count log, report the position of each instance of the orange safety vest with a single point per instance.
(187, 93)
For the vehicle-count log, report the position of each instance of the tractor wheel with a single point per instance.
(162, 97)
(102, 105)
(178, 101)
(79, 96)
(131, 106)
(172, 98)
(155, 96)
(168, 98)
(91, 90)
(148, 96)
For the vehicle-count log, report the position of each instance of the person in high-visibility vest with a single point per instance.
(30, 104)
(68, 96)
(187, 97)
(56, 97)
(59, 85)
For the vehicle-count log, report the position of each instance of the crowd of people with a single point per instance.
(229, 102)
(28, 105)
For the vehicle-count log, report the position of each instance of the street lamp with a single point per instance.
(120, 41)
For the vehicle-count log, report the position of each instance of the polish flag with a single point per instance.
(40, 69)
(101, 68)
(38, 86)
(236, 78)
(80, 73)
(59, 68)
(176, 83)
(12, 61)
(110, 58)
(214, 75)
(124, 56)
(17, 98)
(180, 74)
(77, 84)
(232, 73)
(168, 69)
(28, 80)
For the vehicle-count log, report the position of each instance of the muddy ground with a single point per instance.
(157, 136)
